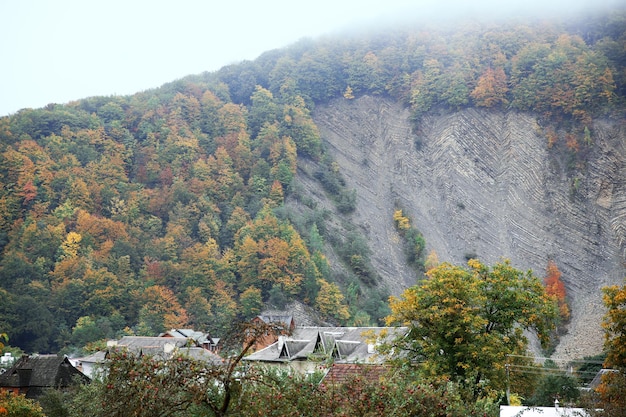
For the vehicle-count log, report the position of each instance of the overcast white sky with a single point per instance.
(55, 51)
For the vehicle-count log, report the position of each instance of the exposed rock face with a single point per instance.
(483, 184)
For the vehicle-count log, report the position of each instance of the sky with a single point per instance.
(56, 51)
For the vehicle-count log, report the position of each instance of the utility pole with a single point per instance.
(508, 385)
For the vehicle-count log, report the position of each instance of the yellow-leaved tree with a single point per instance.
(71, 245)
(611, 390)
(3, 339)
(330, 301)
(463, 322)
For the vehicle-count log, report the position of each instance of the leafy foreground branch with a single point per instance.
(149, 387)
(152, 386)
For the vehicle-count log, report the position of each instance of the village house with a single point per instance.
(556, 411)
(197, 339)
(308, 348)
(281, 319)
(176, 341)
(33, 375)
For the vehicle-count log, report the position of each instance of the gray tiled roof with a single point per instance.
(142, 342)
(201, 354)
(345, 344)
(198, 337)
(95, 357)
(286, 319)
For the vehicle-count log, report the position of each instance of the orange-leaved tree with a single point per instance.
(556, 288)
(491, 88)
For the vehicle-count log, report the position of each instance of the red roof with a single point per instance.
(340, 373)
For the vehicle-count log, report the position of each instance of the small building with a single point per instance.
(32, 375)
(149, 344)
(89, 365)
(6, 361)
(195, 338)
(162, 346)
(275, 318)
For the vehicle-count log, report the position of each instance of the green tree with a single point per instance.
(298, 124)
(463, 322)
(251, 302)
(263, 110)
(554, 384)
(86, 330)
(224, 308)
(198, 308)
(425, 87)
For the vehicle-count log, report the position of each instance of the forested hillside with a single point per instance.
(167, 208)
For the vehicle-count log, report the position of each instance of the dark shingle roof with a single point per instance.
(39, 372)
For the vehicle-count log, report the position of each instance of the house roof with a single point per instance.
(42, 371)
(201, 354)
(344, 344)
(275, 318)
(146, 342)
(597, 380)
(521, 411)
(340, 373)
(197, 337)
(96, 357)
(156, 346)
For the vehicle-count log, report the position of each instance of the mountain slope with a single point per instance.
(484, 184)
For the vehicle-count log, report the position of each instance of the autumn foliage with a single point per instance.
(613, 385)
(556, 288)
(456, 312)
(110, 206)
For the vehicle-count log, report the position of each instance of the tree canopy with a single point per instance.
(613, 384)
(109, 204)
(463, 322)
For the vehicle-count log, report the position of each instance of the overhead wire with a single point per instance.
(591, 361)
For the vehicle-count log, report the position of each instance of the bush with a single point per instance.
(18, 406)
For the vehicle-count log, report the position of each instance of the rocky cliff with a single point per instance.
(484, 184)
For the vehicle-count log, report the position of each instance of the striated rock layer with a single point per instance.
(483, 184)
